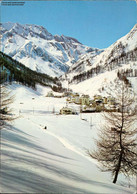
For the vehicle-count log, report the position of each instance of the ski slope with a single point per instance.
(35, 160)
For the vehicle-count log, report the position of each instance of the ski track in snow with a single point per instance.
(66, 144)
(69, 146)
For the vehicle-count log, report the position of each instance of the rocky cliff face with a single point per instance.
(39, 50)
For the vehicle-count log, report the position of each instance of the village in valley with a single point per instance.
(68, 97)
(86, 104)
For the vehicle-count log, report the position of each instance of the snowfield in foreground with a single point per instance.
(35, 160)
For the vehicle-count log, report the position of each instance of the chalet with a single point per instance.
(67, 111)
(97, 97)
(50, 94)
(84, 100)
(110, 100)
(105, 100)
(77, 100)
(73, 98)
(88, 109)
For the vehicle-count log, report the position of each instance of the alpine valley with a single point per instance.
(85, 69)
(59, 86)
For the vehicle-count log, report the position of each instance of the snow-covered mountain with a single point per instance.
(39, 50)
(92, 72)
(87, 69)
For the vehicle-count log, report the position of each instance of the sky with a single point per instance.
(94, 23)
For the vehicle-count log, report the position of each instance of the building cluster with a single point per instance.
(97, 104)
(67, 111)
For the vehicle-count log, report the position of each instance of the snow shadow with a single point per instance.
(16, 137)
(21, 181)
(25, 170)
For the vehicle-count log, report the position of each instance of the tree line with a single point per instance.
(111, 64)
(22, 74)
(5, 100)
(127, 73)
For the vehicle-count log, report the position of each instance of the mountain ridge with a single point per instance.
(39, 50)
(120, 48)
(90, 74)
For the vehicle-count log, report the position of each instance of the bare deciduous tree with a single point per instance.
(117, 147)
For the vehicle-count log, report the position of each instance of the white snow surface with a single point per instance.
(35, 160)
(39, 50)
(90, 60)
(94, 85)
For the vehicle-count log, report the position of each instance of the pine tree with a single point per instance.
(5, 100)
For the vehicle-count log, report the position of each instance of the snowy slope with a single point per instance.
(90, 73)
(100, 83)
(39, 50)
(117, 50)
(35, 160)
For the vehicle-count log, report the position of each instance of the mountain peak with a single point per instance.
(38, 49)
